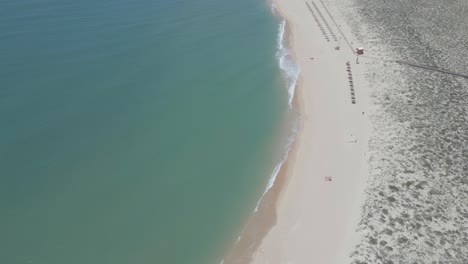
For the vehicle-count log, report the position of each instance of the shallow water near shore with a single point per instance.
(139, 132)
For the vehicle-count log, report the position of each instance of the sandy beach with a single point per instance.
(352, 192)
(314, 206)
(316, 215)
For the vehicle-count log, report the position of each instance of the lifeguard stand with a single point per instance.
(359, 51)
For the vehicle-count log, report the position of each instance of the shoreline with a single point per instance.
(328, 235)
(281, 211)
(263, 218)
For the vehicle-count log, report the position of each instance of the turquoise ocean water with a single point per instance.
(134, 131)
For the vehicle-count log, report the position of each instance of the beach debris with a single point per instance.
(352, 139)
(328, 178)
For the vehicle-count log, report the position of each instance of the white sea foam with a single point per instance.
(286, 63)
(274, 174)
(273, 8)
(291, 72)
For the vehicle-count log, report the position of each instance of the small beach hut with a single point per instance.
(360, 51)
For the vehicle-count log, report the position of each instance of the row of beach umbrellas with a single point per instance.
(351, 84)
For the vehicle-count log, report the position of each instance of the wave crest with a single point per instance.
(291, 73)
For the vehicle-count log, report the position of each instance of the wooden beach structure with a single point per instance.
(360, 51)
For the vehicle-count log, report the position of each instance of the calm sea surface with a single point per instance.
(134, 131)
